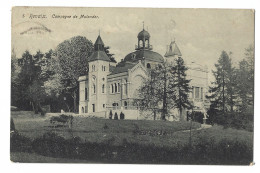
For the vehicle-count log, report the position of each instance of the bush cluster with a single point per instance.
(237, 120)
(61, 119)
(206, 151)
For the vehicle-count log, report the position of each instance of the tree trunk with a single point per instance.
(223, 93)
(181, 117)
(164, 98)
(154, 115)
(75, 101)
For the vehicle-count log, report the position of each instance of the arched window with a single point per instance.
(125, 104)
(146, 43)
(140, 43)
(112, 88)
(115, 88)
(104, 68)
(103, 88)
(148, 65)
(82, 110)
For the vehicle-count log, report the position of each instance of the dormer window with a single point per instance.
(93, 67)
(148, 65)
(133, 56)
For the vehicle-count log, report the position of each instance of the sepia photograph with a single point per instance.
(132, 85)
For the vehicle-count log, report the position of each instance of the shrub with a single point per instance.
(50, 144)
(203, 151)
(122, 116)
(110, 114)
(105, 126)
(12, 126)
(116, 116)
(20, 143)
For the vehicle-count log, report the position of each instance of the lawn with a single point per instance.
(36, 158)
(115, 132)
(92, 129)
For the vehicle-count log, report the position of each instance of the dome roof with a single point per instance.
(144, 34)
(147, 54)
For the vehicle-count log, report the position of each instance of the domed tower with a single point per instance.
(143, 41)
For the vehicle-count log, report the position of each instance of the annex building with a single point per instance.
(110, 86)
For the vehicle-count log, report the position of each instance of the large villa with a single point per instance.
(113, 87)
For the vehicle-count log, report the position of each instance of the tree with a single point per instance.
(72, 62)
(223, 93)
(250, 58)
(15, 70)
(110, 55)
(148, 94)
(155, 94)
(164, 93)
(30, 72)
(179, 86)
(245, 86)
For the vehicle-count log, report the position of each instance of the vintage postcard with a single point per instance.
(132, 85)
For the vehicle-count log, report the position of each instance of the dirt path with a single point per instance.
(203, 126)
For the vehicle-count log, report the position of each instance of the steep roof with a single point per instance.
(173, 50)
(98, 55)
(147, 54)
(99, 41)
(125, 68)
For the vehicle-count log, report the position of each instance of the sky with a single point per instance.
(201, 34)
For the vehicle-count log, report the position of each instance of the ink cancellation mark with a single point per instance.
(36, 28)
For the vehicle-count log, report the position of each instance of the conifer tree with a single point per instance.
(223, 93)
(245, 86)
(179, 86)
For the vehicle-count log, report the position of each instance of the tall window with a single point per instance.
(104, 68)
(86, 93)
(112, 88)
(201, 93)
(94, 84)
(118, 85)
(125, 104)
(115, 88)
(140, 43)
(146, 43)
(94, 88)
(125, 86)
(103, 88)
(192, 91)
(148, 65)
(197, 92)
